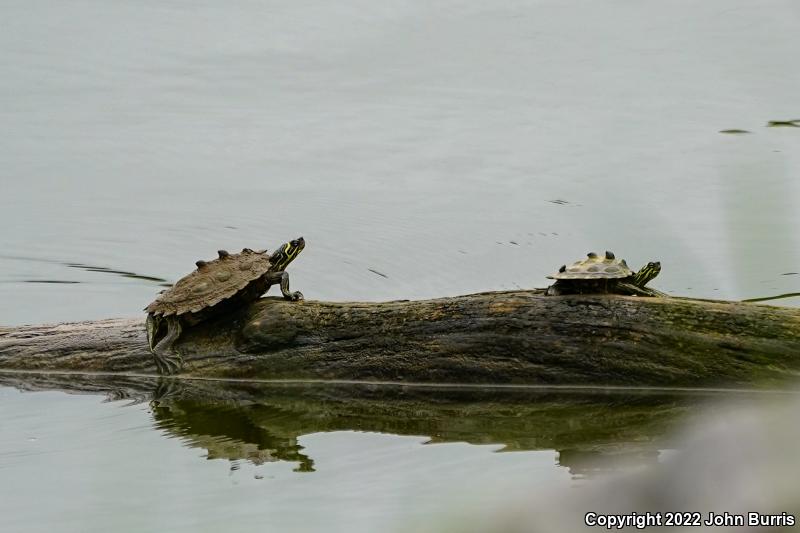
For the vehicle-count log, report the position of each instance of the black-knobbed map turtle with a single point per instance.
(604, 275)
(228, 282)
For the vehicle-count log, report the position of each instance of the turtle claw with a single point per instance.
(296, 296)
(168, 361)
(168, 364)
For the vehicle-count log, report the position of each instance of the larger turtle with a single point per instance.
(215, 287)
(604, 275)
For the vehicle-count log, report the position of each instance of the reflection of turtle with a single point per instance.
(606, 274)
(216, 286)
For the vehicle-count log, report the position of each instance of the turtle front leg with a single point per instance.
(283, 279)
(167, 359)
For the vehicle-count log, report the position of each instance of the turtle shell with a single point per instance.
(212, 282)
(595, 267)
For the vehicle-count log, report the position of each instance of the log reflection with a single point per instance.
(261, 423)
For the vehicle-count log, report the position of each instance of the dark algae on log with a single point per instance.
(512, 337)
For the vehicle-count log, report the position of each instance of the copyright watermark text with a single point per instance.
(687, 519)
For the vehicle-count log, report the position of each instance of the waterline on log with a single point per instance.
(420, 385)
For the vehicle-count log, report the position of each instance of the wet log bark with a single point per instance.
(516, 337)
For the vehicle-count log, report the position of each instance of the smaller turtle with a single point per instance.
(215, 287)
(604, 275)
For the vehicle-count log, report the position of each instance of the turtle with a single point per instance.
(604, 275)
(215, 287)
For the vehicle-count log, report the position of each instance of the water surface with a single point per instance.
(423, 149)
(176, 455)
(413, 139)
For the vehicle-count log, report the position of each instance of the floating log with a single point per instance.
(512, 337)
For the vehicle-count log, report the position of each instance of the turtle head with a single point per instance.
(286, 253)
(647, 273)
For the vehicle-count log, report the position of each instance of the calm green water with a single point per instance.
(201, 456)
(452, 146)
